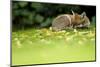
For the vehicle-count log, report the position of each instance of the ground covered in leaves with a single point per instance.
(40, 46)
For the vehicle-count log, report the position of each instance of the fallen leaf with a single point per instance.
(75, 31)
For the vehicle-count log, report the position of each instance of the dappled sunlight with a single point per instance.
(45, 46)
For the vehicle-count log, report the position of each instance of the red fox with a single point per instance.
(73, 20)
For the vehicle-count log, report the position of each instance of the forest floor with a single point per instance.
(41, 46)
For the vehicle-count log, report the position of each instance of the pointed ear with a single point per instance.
(83, 15)
(73, 13)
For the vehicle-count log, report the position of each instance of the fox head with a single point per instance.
(80, 20)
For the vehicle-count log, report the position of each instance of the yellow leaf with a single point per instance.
(80, 42)
(50, 28)
(67, 39)
(84, 39)
(42, 40)
(19, 44)
(48, 33)
(75, 31)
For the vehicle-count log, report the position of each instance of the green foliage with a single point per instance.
(39, 18)
(46, 23)
(22, 4)
(40, 14)
(37, 6)
(94, 19)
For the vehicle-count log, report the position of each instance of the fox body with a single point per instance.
(73, 20)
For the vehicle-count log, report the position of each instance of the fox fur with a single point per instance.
(66, 21)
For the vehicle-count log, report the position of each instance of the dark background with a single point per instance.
(34, 14)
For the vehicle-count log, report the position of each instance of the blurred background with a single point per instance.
(34, 14)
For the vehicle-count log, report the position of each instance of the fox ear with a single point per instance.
(73, 12)
(83, 15)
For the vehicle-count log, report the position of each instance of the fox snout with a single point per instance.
(73, 20)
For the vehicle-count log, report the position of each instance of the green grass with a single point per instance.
(40, 46)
